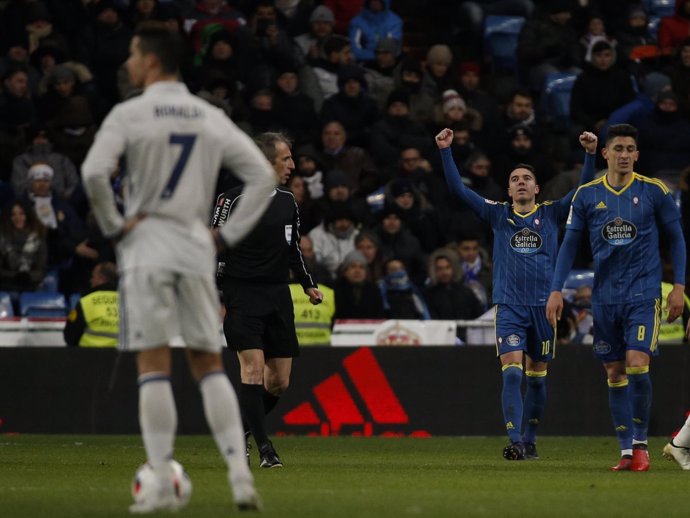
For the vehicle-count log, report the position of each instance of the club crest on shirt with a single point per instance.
(619, 232)
(526, 241)
(288, 234)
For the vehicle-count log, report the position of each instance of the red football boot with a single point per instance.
(624, 464)
(640, 460)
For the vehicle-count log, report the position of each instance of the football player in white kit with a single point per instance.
(174, 144)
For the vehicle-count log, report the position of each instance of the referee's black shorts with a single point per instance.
(260, 316)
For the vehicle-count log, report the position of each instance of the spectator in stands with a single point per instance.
(354, 161)
(519, 110)
(338, 51)
(93, 249)
(599, 90)
(104, 46)
(62, 84)
(475, 265)
(344, 11)
(308, 167)
(73, 128)
(38, 24)
(633, 38)
(319, 272)
(522, 150)
(398, 242)
(293, 109)
(595, 32)
(373, 23)
(397, 131)
(334, 237)
(352, 106)
(22, 248)
(212, 12)
(471, 91)
(356, 296)
(413, 167)
(439, 75)
(548, 44)
(480, 178)
(64, 230)
(219, 55)
(308, 211)
(446, 297)
(142, 11)
(337, 190)
(453, 109)
(402, 299)
(17, 112)
(270, 44)
(17, 56)
(679, 72)
(469, 21)
(321, 23)
(368, 242)
(416, 214)
(222, 91)
(663, 138)
(380, 73)
(40, 150)
(409, 79)
(94, 321)
(674, 29)
(262, 117)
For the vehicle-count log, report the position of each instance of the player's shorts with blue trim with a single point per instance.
(619, 327)
(525, 328)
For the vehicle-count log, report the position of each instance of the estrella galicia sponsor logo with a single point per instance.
(602, 347)
(513, 340)
(619, 232)
(526, 241)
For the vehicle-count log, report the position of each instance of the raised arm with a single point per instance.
(588, 141)
(443, 140)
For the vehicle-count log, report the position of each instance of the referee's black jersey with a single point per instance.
(270, 250)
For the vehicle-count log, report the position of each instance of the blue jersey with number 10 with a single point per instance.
(624, 236)
(525, 250)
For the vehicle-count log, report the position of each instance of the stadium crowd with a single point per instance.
(361, 87)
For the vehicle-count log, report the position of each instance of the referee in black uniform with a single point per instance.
(254, 277)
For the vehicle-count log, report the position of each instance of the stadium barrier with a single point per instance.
(393, 391)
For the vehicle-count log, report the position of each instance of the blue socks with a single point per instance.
(640, 392)
(619, 404)
(511, 399)
(535, 399)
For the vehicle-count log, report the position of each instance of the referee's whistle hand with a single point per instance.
(315, 296)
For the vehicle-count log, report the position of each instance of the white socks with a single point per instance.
(682, 440)
(157, 417)
(223, 416)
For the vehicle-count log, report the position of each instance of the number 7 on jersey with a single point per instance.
(186, 140)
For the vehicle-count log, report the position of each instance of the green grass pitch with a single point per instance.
(70, 476)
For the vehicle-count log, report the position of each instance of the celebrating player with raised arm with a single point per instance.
(525, 248)
(623, 211)
(174, 144)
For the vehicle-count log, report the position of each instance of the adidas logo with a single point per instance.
(601, 205)
(370, 403)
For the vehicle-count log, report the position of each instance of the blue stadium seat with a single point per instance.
(659, 7)
(555, 99)
(577, 278)
(50, 281)
(500, 41)
(42, 304)
(6, 309)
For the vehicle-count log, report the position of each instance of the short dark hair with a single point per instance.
(521, 165)
(155, 38)
(267, 141)
(621, 130)
(109, 271)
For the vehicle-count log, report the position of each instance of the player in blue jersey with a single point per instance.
(525, 248)
(623, 211)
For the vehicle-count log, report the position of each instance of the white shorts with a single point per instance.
(159, 307)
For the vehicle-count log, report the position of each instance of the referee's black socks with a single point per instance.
(252, 402)
(270, 401)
